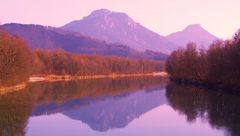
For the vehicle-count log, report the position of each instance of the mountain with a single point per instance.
(115, 27)
(37, 36)
(192, 33)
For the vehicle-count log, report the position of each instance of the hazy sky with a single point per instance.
(220, 17)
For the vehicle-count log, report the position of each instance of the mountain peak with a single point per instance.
(118, 27)
(101, 12)
(192, 33)
(194, 27)
(107, 17)
(107, 13)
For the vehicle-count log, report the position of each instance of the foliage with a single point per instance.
(218, 65)
(14, 60)
(60, 62)
(17, 62)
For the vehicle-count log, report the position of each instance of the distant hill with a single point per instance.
(192, 33)
(37, 36)
(115, 27)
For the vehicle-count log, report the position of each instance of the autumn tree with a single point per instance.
(60, 62)
(219, 65)
(14, 60)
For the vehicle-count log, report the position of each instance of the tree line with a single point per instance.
(59, 62)
(17, 62)
(217, 66)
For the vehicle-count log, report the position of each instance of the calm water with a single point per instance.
(118, 107)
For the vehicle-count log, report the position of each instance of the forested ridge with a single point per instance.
(217, 67)
(60, 63)
(43, 37)
(17, 62)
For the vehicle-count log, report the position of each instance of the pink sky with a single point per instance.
(220, 17)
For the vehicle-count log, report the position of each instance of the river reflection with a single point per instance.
(221, 110)
(123, 106)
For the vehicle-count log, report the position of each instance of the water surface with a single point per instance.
(116, 107)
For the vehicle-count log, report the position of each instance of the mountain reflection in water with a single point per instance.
(43, 98)
(105, 113)
(122, 106)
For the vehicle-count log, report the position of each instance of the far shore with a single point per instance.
(54, 78)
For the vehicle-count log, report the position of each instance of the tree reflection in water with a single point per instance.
(221, 110)
(16, 107)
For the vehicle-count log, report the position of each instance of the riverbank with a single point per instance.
(8, 89)
(213, 86)
(52, 78)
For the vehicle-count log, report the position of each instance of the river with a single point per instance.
(141, 106)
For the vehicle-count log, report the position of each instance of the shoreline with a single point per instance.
(212, 86)
(9, 89)
(53, 78)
